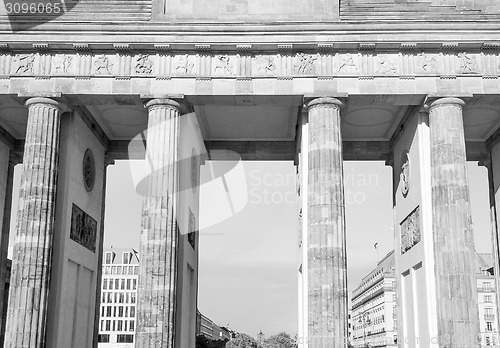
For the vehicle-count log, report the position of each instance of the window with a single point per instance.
(486, 286)
(122, 298)
(488, 311)
(125, 338)
(487, 339)
(130, 270)
(102, 311)
(134, 284)
(123, 284)
(108, 325)
(109, 258)
(131, 325)
(132, 312)
(110, 297)
(107, 270)
(117, 284)
(119, 326)
(126, 258)
(103, 338)
(102, 325)
(132, 298)
(136, 270)
(120, 311)
(487, 298)
(119, 270)
(105, 284)
(489, 326)
(111, 284)
(128, 284)
(108, 311)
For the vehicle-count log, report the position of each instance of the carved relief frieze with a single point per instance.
(102, 65)
(183, 65)
(83, 229)
(265, 65)
(62, 64)
(305, 64)
(427, 63)
(347, 64)
(143, 64)
(24, 64)
(410, 230)
(223, 65)
(468, 64)
(243, 63)
(385, 65)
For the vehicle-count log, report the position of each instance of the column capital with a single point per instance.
(432, 102)
(47, 102)
(168, 103)
(324, 101)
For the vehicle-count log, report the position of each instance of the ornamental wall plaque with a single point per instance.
(410, 230)
(88, 170)
(83, 228)
(192, 229)
(404, 176)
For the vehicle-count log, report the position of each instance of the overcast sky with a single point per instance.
(248, 263)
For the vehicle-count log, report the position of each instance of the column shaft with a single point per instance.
(159, 235)
(456, 288)
(31, 264)
(4, 241)
(327, 279)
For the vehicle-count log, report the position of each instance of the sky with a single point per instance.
(248, 262)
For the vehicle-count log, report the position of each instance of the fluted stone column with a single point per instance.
(159, 235)
(4, 239)
(327, 276)
(456, 289)
(31, 264)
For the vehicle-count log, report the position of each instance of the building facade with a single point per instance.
(206, 327)
(375, 305)
(118, 310)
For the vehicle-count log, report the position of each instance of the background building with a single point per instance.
(212, 331)
(374, 307)
(117, 322)
(487, 303)
(374, 317)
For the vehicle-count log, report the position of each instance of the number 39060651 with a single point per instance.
(32, 7)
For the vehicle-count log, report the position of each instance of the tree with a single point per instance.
(281, 340)
(242, 341)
